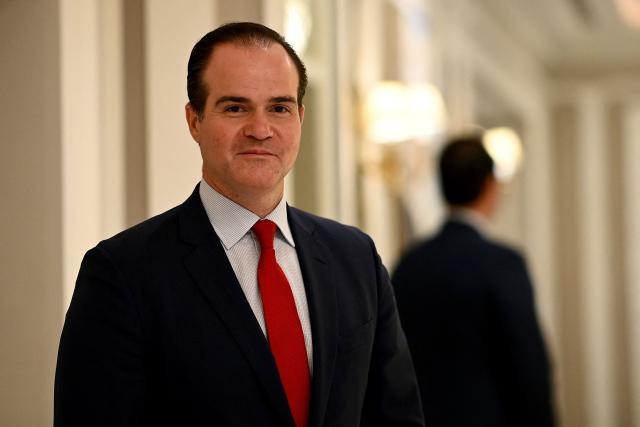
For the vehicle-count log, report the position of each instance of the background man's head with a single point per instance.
(466, 171)
(243, 33)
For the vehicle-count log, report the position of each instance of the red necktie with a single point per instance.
(284, 331)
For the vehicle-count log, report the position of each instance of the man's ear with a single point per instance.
(301, 113)
(193, 121)
(490, 196)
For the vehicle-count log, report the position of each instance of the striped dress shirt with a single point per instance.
(232, 223)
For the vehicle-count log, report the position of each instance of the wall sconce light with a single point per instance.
(396, 117)
(396, 112)
(297, 24)
(505, 147)
(629, 12)
(386, 113)
(427, 115)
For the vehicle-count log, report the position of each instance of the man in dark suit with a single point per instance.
(467, 308)
(234, 309)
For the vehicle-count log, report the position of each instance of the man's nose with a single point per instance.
(258, 127)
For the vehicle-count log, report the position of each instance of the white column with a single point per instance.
(347, 147)
(461, 100)
(377, 203)
(92, 128)
(538, 218)
(325, 71)
(538, 228)
(631, 197)
(81, 133)
(380, 217)
(594, 275)
(173, 159)
(367, 17)
(112, 107)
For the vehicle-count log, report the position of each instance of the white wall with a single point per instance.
(31, 214)
(174, 165)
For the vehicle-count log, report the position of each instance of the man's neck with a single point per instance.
(260, 203)
(470, 216)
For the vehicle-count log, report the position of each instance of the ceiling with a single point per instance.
(572, 35)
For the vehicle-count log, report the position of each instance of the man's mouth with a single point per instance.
(256, 153)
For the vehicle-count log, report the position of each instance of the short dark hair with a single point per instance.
(246, 33)
(465, 166)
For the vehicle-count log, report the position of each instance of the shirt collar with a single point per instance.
(471, 218)
(232, 221)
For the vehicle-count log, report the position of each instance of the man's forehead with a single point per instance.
(243, 66)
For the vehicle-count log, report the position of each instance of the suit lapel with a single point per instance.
(323, 311)
(212, 272)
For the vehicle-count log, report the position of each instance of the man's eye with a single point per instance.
(233, 109)
(280, 109)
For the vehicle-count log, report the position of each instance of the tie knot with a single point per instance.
(265, 231)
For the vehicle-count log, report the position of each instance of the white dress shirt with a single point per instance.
(232, 223)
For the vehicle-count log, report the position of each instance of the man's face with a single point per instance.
(249, 133)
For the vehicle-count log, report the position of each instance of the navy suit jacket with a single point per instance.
(159, 333)
(467, 308)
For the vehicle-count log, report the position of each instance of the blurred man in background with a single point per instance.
(467, 306)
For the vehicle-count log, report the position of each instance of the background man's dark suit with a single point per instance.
(466, 305)
(159, 333)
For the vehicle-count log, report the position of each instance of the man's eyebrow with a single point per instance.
(238, 99)
(243, 100)
(283, 99)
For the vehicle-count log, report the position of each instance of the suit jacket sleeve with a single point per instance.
(100, 379)
(392, 398)
(523, 364)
